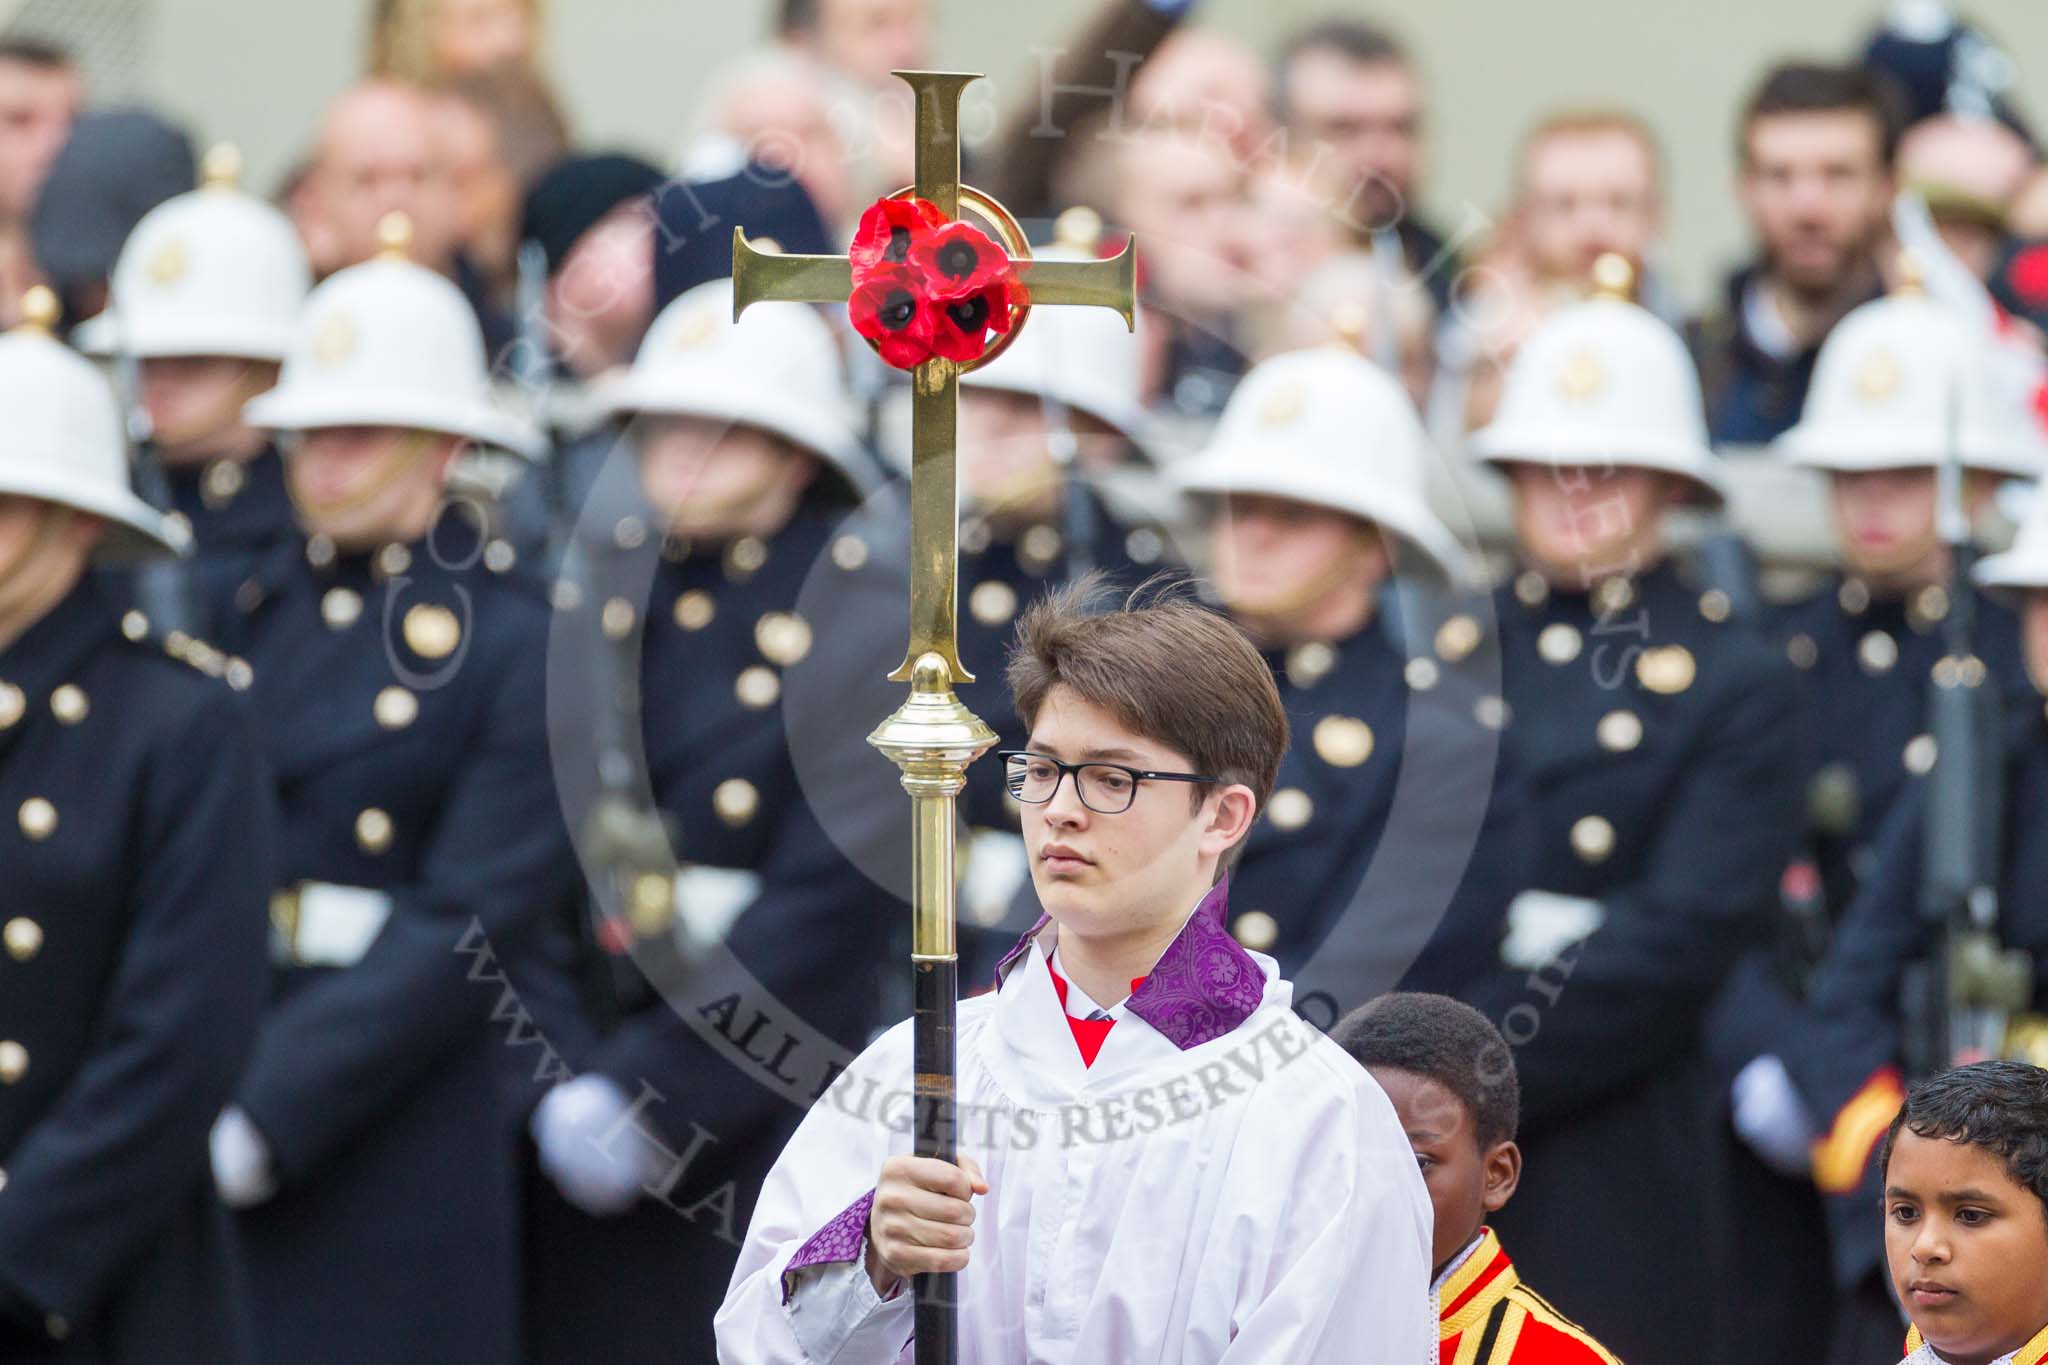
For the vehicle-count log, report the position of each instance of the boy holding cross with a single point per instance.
(1161, 1164)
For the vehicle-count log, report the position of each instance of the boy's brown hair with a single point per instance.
(1166, 667)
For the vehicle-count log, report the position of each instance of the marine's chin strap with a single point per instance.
(1077, 509)
(50, 526)
(1919, 563)
(398, 458)
(742, 514)
(1008, 504)
(1269, 616)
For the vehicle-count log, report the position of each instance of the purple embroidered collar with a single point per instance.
(1203, 986)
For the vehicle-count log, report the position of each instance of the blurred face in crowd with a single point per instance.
(1369, 115)
(483, 188)
(1577, 525)
(1967, 1246)
(1122, 883)
(475, 35)
(1886, 525)
(37, 104)
(2034, 635)
(1980, 157)
(1884, 522)
(1346, 302)
(1979, 160)
(2028, 214)
(1208, 85)
(1465, 1180)
(363, 487)
(867, 39)
(1291, 572)
(1970, 240)
(1817, 192)
(1415, 349)
(195, 406)
(377, 155)
(1184, 200)
(779, 116)
(1290, 231)
(43, 551)
(601, 300)
(713, 481)
(1586, 193)
(1007, 469)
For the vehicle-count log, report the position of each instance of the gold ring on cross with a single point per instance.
(1011, 234)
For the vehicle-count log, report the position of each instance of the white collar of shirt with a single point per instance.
(1436, 1289)
(1079, 1003)
(1766, 325)
(1457, 1262)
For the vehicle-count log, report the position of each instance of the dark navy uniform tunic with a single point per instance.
(1657, 739)
(1398, 829)
(238, 514)
(762, 665)
(137, 834)
(1854, 1011)
(1865, 667)
(399, 698)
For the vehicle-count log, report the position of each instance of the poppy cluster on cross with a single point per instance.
(924, 287)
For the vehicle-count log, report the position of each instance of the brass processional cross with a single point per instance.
(933, 736)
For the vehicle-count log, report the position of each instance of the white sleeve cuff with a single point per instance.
(242, 1168)
(839, 1319)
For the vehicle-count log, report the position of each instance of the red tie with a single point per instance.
(1088, 1033)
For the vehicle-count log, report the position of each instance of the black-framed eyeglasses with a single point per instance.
(1105, 788)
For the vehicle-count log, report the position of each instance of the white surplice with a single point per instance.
(1250, 1200)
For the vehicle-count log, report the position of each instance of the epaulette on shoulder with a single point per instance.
(189, 650)
(1541, 1310)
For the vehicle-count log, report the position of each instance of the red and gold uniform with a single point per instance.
(1489, 1317)
(2035, 1352)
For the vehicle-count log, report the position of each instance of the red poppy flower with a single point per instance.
(957, 260)
(888, 307)
(888, 230)
(960, 326)
(925, 287)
